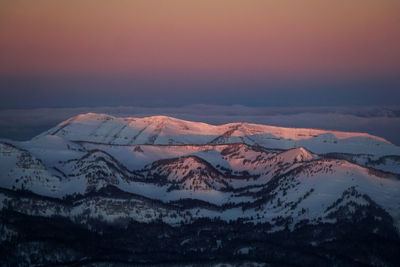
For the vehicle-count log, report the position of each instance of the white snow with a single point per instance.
(101, 128)
(54, 164)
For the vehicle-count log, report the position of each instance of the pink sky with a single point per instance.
(250, 38)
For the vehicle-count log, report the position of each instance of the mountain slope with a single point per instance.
(231, 193)
(101, 128)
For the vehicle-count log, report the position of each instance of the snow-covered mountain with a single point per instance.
(162, 130)
(95, 174)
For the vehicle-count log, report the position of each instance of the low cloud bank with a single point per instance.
(380, 121)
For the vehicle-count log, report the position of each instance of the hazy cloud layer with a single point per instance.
(380, 121)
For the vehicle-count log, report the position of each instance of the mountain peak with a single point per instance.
(156, 177)
(165, 130)
(297, 154)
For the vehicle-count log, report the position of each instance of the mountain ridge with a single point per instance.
(164, 130)
(163, 118)
(187, 188)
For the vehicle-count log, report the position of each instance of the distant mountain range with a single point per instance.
(98, 189)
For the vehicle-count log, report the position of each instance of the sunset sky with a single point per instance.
(170, 52)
